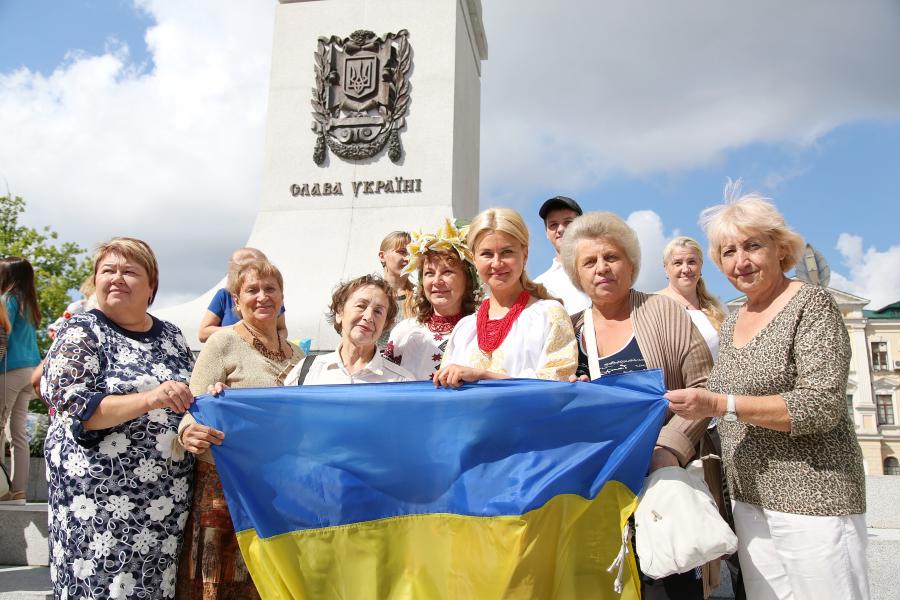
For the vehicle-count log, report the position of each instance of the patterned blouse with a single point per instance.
(118, 497)
(540, 345)
(804, 355)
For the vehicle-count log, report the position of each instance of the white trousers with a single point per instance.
(799, 557)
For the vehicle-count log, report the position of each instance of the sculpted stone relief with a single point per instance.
(361, 95)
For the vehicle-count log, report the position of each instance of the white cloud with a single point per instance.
(873, 274)
(170, 151)
(650, 231)
(587, 88)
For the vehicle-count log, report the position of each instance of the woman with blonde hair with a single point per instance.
(683, 262)
(793, 463)
(221, 313)
(519, 330)
(118, 495)
(250, 353)
(626, 331)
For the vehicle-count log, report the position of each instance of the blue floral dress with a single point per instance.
(118, 497)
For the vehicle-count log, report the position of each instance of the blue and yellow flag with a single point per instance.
(502, 489)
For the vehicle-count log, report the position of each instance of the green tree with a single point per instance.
(58, 266)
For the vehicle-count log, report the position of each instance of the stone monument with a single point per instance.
(373, 126)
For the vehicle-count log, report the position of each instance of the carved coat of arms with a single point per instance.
(361, 94)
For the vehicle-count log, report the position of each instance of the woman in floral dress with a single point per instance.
(119, 496)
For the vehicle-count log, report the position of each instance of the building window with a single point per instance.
(850, 406)
(884, 405)
(879, 356)
(891, 466)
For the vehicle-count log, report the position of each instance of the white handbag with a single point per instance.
(677, 524)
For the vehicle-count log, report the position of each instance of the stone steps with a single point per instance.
(25, 583)
(23, 534)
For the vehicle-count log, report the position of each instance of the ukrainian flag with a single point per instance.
(502, 489)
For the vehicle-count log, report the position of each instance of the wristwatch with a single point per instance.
(730, 409)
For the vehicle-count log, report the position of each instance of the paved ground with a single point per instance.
(33, 583)
(25, 583)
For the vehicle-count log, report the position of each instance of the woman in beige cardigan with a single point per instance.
(250, 353)
(625, 331)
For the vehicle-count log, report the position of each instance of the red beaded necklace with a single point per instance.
(438, 324)
(492, 332)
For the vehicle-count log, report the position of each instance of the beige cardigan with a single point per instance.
(669, 341)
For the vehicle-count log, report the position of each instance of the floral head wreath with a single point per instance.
(450, 236)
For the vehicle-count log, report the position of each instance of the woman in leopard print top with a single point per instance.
(794, 466)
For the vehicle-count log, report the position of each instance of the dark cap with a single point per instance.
(557, 202)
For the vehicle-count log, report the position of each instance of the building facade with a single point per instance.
(873, 387)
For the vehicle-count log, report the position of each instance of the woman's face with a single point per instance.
(752, 263)
(363, 316)
(444, 283)
(394, 260)
(604, 270)
(500, 260)
(123, 286)
(260, 298)
(683, 269)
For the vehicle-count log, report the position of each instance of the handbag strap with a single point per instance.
(590, 342)
(304, 368)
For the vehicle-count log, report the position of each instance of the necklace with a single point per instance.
(261, 348)
(492, 332)
(438, 324)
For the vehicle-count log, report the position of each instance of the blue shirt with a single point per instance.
(22, 349)
(222, 305)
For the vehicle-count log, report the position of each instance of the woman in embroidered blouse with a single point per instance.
(251, 353)
(447, 292)
(794, 465)
(519, 331)
(626, 330)
(118, 495)
(683, 262)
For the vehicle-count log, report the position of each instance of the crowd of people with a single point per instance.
(136, 505)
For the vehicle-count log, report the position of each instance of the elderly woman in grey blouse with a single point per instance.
(794, 466)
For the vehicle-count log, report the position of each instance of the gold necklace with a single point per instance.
(261, 348)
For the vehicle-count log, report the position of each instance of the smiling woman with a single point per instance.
(360, 310)
(520, 330)
(118, 494)
(250, 353)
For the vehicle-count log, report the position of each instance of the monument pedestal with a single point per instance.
(322, 217)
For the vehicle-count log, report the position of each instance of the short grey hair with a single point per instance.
(595, 225)
(749, 215)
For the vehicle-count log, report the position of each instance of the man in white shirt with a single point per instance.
(558, 212)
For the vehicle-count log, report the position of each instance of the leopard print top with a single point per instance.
(804, 355)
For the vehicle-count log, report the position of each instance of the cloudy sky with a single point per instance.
(116, 115)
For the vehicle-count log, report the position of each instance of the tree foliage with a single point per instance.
(59, 267)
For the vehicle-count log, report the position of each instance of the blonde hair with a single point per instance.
(133, 249)
(510, 222)
(394, 241)
(709, 304)
(251, 254)
(595, 225)
(87, 287)
(263, 269)
(749, 214)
